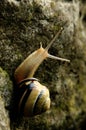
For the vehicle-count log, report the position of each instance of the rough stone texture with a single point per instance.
(5, 97)
(4, 120)
(23, 25)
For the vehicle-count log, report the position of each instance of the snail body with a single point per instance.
(34, 98)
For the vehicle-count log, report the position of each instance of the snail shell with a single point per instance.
(33, 98)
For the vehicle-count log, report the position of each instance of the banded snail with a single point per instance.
(34, 98)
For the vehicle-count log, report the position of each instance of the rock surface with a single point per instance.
(5, 97)
(23, 25)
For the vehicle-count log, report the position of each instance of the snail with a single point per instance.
(34, 98)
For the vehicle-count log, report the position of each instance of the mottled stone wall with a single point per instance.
(23, 25)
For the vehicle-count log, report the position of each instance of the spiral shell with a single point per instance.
(34, 98)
